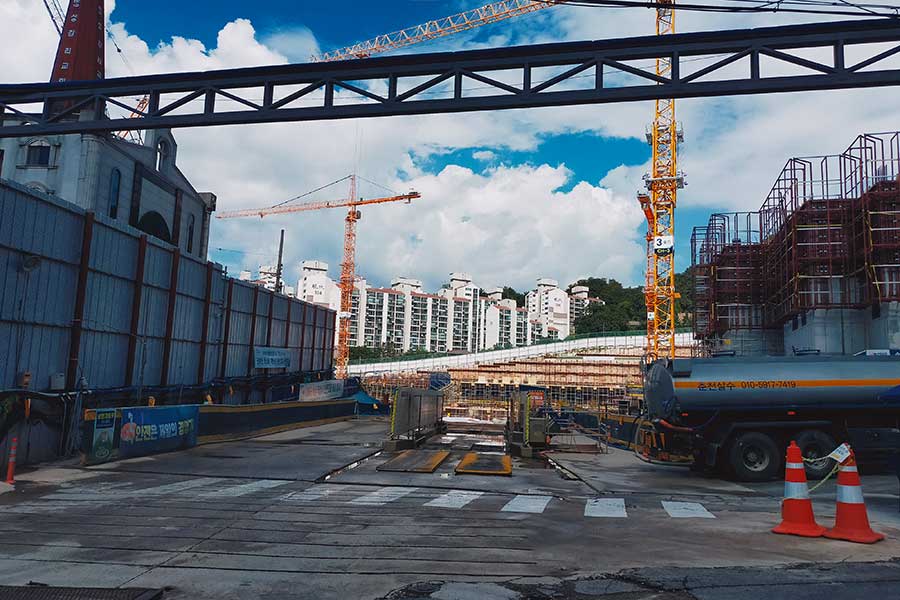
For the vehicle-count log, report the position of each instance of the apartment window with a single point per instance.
(190, 244)
(115, 182)
(38, 154)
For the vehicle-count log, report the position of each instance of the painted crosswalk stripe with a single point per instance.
(174, 488)
(527, 504)
(605, 507)
(454, 499)
(687, 510)
(247, 488)
(310, 494)
(116, 494)
(383, 495)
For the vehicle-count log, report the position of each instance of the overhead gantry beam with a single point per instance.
(720, 63)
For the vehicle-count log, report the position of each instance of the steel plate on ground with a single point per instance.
(42, 592)
(415, 461)
(480, 463)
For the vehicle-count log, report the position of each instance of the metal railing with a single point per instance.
(612, 340)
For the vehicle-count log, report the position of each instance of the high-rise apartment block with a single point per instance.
(460, 317)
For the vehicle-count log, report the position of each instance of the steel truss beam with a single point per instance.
(520, 77)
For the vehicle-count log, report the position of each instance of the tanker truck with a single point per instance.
(738, 414)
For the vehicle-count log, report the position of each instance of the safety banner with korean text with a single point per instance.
(150, 430)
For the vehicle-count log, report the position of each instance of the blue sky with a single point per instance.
(589, 154)
(336, 22)
(340, 22)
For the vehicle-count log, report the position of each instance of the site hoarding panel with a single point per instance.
(52, 230)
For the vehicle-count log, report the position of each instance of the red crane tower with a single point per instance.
(348, 264)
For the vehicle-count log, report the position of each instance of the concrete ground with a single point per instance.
(305, 514)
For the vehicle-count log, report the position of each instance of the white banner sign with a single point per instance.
(322, 390)
(271, 358)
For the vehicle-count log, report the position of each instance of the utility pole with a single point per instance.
(280, 268)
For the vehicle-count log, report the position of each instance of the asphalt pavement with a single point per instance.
(306, 514)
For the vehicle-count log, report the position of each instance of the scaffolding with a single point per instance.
(872, 167)
(805, 221)
(827, 236)
(726, 261)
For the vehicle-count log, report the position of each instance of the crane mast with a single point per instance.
(348, 274)
(663, 183)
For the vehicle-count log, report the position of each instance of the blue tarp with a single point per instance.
(367, 405)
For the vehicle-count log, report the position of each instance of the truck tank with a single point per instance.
(748, 384)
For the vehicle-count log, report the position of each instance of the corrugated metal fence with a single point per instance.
(82, 296)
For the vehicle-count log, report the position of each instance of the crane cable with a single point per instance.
(318, 189)
(758, 6)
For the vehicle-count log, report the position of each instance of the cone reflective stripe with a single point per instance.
(796, 508)
(11, 464)
(795, 491)
(851, 522)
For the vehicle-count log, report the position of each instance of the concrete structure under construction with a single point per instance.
(817, 268)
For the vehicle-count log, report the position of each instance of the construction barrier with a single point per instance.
(851, 521)
(796, 508)
(115, 433)
(416, 413)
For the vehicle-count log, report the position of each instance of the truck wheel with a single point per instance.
(755, 456)
(816, 444)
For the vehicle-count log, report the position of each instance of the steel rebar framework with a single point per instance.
(828, 236)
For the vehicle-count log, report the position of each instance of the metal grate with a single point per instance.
(41, 592)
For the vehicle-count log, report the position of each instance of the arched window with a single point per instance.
(154, 224)
(115, 180)
(162, 154)
(38, 154)
(190, 244)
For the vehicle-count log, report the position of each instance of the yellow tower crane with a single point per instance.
(663, 183)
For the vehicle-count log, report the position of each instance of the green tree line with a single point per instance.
(624, 307)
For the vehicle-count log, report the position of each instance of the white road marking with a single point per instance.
(383, 495)
(174, 488)
(454, 499)
(687, 510)
(310, 494)
(527, 504)
(247, 488)
(606, 507)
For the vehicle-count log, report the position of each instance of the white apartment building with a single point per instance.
(460, 317)
(316, 286)
(579, 302)
(549, 305)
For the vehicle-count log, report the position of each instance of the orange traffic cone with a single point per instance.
(851, 522)
(796, 509)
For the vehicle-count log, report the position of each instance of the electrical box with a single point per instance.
(58, 382)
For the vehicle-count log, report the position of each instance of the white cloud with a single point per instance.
(507, 225)
(297, 43)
